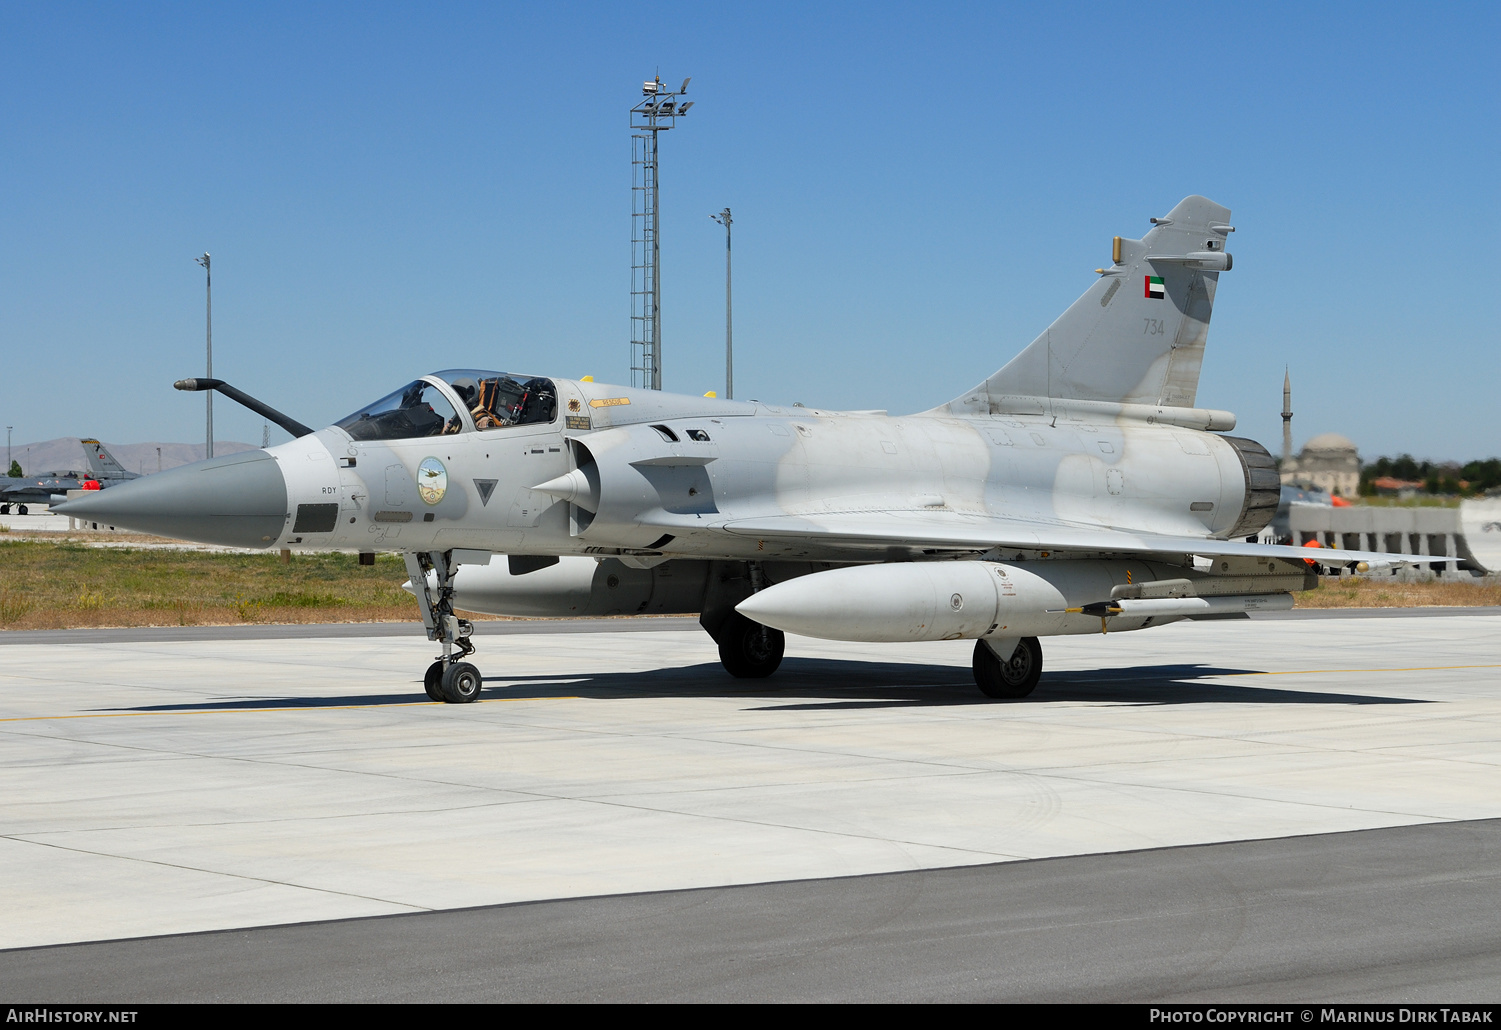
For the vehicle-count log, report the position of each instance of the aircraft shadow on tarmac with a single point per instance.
(825, 684)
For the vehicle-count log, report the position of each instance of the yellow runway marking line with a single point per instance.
(289, 708)
(1419, 668)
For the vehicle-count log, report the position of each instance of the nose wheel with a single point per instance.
(432, 681)
(449, 679)
(461, 683)
(455, 683)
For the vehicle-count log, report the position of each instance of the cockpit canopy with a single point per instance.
(432, 406)
(496, 399)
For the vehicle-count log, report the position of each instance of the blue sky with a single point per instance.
(918, 190)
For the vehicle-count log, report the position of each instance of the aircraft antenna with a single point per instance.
(659, 110)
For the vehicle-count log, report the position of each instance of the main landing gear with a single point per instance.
(449, 678)
(748, 649)
(1011, 677)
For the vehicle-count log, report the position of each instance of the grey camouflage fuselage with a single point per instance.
(1082, 475)
(1093, 426)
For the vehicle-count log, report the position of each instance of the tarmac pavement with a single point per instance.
(156, 786)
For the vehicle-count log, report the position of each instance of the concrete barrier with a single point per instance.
(1460, 532)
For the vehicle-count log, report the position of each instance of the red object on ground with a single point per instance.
(89, 484)
(1312, 543)
(1339, 502)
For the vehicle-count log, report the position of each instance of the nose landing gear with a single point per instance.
(449, 678)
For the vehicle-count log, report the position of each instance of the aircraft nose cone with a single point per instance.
(237, 501)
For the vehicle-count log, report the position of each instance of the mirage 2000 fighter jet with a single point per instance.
(1078, 489)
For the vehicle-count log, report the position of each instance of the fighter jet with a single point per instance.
(24, 491)
(1080, 489)
(20, 492)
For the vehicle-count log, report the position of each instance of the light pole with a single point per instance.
(723, 218)
(9, 461)
(208, 280)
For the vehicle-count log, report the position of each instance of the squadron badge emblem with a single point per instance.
(432, 480)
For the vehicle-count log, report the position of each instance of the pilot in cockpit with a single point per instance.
(480, 398)
(468, 392)
(486, 415)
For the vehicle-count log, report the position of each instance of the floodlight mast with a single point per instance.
(724, 219)
(208, 285)
(658, 111)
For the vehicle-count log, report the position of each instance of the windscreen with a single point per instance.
(417, 409)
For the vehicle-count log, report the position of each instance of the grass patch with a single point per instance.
(303, 599)
(64, 584)
(1357, 592)
(52, 584)
(13, 607)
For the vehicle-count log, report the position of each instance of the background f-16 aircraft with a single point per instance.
(24, 491)
(1080, 489)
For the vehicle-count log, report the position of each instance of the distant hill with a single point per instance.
(66, 453)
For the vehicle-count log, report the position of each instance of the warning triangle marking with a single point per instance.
(485, 487)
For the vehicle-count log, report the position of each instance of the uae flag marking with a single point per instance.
(1155, 288)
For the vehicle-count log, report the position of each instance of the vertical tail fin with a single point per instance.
(1137, 335)
(102, 463)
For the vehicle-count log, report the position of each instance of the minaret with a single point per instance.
(1287, 415)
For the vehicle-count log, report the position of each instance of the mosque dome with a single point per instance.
(1331, 442)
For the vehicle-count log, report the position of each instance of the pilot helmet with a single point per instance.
(468, 391)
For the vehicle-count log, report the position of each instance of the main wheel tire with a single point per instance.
(1012, 678)
(748, 649)
(432, 681)
(21, 510)
(461, 683)
(4, 509)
